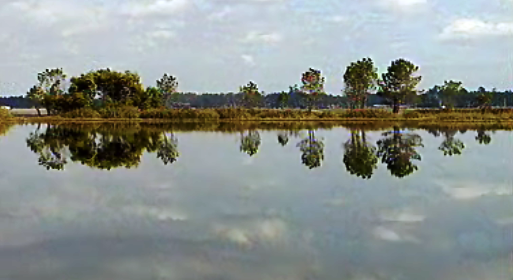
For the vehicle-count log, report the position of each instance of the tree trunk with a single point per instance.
(396, 107)
(38, 112)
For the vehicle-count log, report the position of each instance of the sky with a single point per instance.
(219, 45)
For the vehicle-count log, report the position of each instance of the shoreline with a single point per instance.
(273, 123)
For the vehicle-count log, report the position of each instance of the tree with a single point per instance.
(313, 86)
(283, 99)
(50, 84)
(36, 95)
(110, 86)
(397, 150)
(360, 78)
(251, 95)
(450, 92)
(360, 156)
(398, 82)
(168, 85)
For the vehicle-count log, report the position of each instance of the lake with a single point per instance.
(327, 202)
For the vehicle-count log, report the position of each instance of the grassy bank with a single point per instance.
(232, 127)
(131, 114)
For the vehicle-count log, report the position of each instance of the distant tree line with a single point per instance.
(363, 87)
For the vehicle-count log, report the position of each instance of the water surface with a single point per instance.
(144, 203)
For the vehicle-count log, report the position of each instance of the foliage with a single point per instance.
(167, 85)
(250, 142)
(398, 82)
(168, 150)
(86, 113)
(102, 149)
(360, 156)
(4, 114)
(360, 78)
(397, 150)
(283, 138)
(283, 99)
(313, 86)
(119, 111)
(451, 146)
(312, 150)
(251, 95)
(450, 92)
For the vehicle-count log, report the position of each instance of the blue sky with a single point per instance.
(218, 45)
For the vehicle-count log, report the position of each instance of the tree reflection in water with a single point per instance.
(360, 156)
(397, 150)
(113, 146)
(250, 142)
(451, 145)
(102, 149)
(312, 150)
(483, 137)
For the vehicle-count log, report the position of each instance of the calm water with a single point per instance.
(108, 203)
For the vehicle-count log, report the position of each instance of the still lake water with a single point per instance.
(255, 205)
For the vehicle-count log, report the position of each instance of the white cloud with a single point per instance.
(221, 14)
(265, 230)
(337, 19)
(472, 190)
(161, 34)
(260, 37)
(248, 59)
(402, 217)
(390, 235)
(158, 7)
(403, 4)
(468, 27)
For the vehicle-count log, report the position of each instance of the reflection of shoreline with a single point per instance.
(239, 126)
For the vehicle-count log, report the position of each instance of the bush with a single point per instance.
(119, 111)
(82, 113)
(4, 114)
(412, 114)
(367, 113)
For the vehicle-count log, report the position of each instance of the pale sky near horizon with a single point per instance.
(218, 45)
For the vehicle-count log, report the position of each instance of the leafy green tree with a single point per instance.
(451, 146)
(283, 99)
(36, 94)
(250, 142)
(50, 85)
(397, 150)
(399, 82)
(360, 79)
(110, 86)
(360, 156)
(251, 95)
(168, 85)
(450, 92)
(312, 150)
(313, 86)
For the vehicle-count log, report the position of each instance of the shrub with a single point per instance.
(82, 113)
(4, 114)
(119, 111)
(412, 115)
